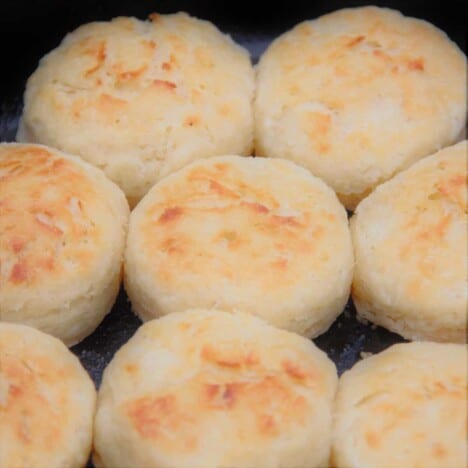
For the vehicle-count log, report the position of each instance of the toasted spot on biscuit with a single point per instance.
(256, 207)
(158, 418)
(19, 272)
(172, 246)
(192, 120)
(416, 64)
(286, 220)
(98, 51)
(17, 244)
(439, 451)
(294, 370)
(165, 84)
(171, 214)
(222, 190)
(267, 425)
(149, 43)
(45, 221)
(372, 439)
(132, 74)
(151, 415)
(132, 368)
(221, 396)
(355, 40)
(109, 104)
(229, 358)
(281, 264)
(225, 110)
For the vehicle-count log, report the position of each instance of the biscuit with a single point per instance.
(410, 239)
(404, 407)
(140, 99)
(212, 389)
(258, 235)
(47, 402)
(358, 95)
(62, 236)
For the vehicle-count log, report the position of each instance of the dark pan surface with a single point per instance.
(344, 341)
(29, 29)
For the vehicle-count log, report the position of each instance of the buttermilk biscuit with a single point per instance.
(358, 95)
(205, 389)
(410, 239)
(62, 235)
(47, 402)
(258, 235)
(405, 407)
(140, 99)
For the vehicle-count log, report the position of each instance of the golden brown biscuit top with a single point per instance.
(407, 405)
(128, 75)
(435, 197)
(48, 223)
(44, 393)
(419, 218)
(360, 93)
(250, 221)
(372, 62)
(141, 99)
(438, 212)
(254, 387)
(23, 394)
(265, 406)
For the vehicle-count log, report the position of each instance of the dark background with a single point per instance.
(29, 29)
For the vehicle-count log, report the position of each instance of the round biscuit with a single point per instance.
(404, 407)
(258, 235)
(358, 95)
(140, 99)
(62, 236)
(410, 238)
(205, 389)
(47, 402)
